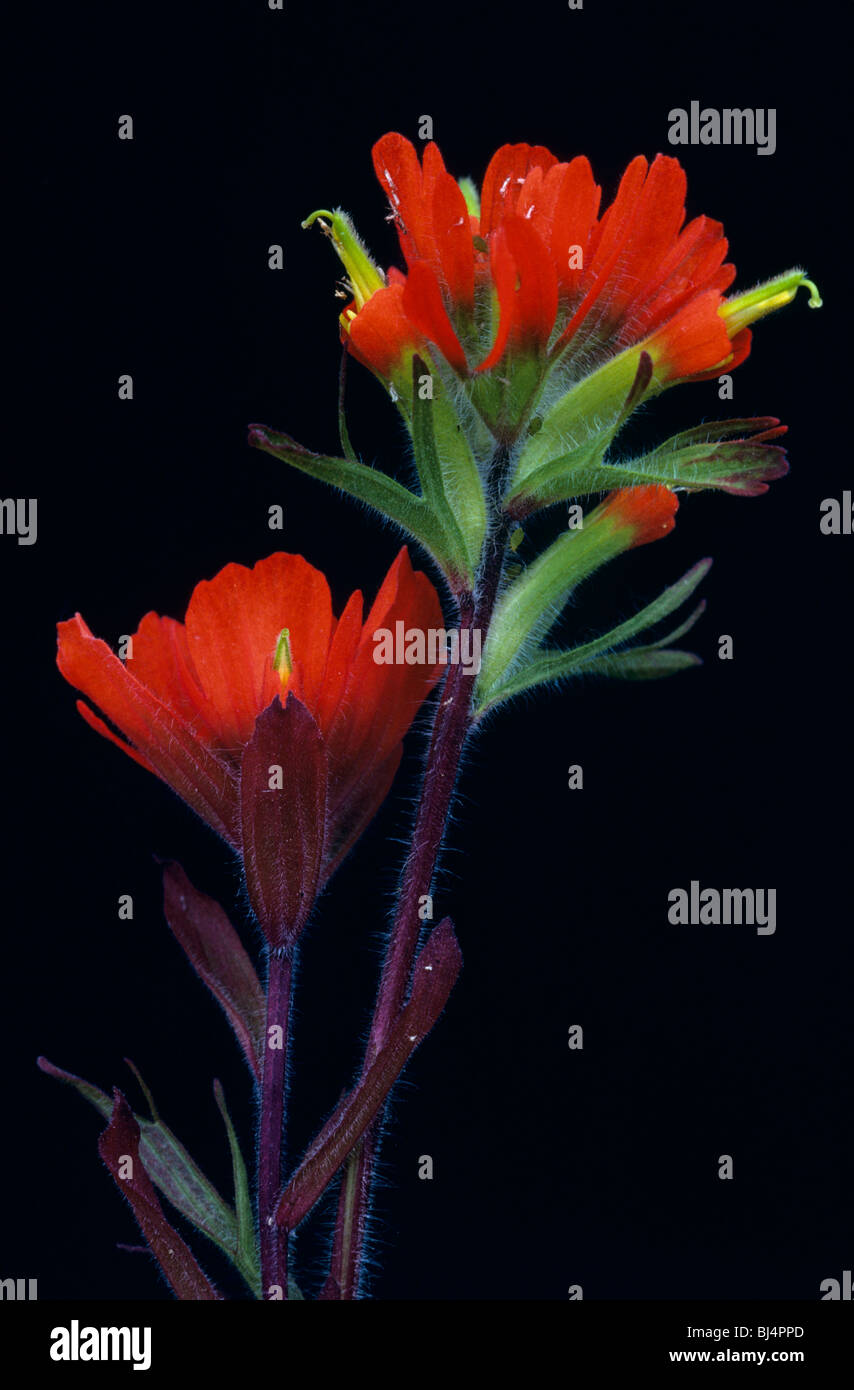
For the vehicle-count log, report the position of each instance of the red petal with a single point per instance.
(616, 220)
(658, 213)
(161, 660)
(157, 732)
(577, 198)
(739, 349)
(536, 299)
(504, 277)
(381, 701)
(607, 246)
(507, 171)
(532, 201)
(650, 512)
(398, 170)
(233, 624)
(694, 263)
(106, 732)
(342, 650)
(526, 285)
(381, 333)
(425, 309)
(695, 340)
(453, 240)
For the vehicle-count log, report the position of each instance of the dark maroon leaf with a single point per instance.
(283, 783)
(643, 377)
(436, 971)
(119, 1148)
(218, 956)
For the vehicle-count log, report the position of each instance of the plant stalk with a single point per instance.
(452, 723)
(273, 1241)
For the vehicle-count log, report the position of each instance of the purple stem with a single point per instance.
(349, 1226)
(451, 722)
(450, 729)
(273, 1241)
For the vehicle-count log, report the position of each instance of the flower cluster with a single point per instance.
(532, 279)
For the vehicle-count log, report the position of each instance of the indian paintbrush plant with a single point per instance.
(526, 328)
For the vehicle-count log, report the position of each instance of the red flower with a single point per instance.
(188, 701)
(649, 512)
(540, 272)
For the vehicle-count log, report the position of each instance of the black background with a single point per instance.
(552, 1167)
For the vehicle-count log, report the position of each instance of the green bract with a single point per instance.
(532, 603)
(602, 655)
(417, 516)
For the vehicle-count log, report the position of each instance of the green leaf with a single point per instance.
(642, 664)
(579, 473)
(532, 604)
(549, 666)
(760, 427)
(170, 1168)
(450, 481)
(693, 617)
(246, 1254)
(372, 486)
(699, 458)
(584, 420)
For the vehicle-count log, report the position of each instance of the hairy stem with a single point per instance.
(452, 723)
(273, 1241)
(346, 1261)
(452, 718)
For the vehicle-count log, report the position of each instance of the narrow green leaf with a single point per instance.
(588, 415)
(444, 493)
(693, 618)
(172, 1169)
(642, 664)
(246, 1254)
(532, 604)
(579, 473)
(149, 1098)
(704, 457)
(549, 666)
(758, 428)
(369, 485)
(461, 438)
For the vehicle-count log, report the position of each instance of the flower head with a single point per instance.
(192, 696)
(533, 278)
